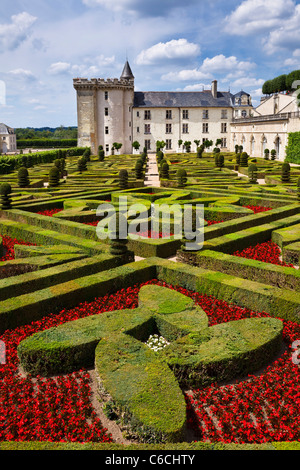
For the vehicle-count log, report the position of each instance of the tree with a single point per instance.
(291, 78)
(187, 145)
(117, 146)
(136, 145)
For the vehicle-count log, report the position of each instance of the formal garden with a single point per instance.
(143, 343)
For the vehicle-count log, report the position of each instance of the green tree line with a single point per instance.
(281, 83)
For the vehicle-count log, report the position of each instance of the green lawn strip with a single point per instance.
(51, 223)
(64, 269)
(239, 240)
(267, 273)
(41, 236)
(256, 296)
(248, 221)
(17, 267)
(33, 306)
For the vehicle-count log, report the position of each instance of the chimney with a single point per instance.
(214, 88)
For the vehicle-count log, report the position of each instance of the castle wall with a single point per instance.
(193, 131)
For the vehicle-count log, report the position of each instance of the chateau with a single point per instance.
(8, 140)
(110, 111)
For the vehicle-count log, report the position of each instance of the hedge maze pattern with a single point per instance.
(62, 262)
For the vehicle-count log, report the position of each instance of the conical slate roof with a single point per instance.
(127, 73)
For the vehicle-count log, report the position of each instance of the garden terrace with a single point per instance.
(68, 303)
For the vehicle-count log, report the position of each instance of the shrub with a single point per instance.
(298, 189)
(101, 155)
(23, 177)
(267, 153)
(5, 191)
(165, 170)
(238, 158)
(81, 164)
(252, 173)
(285, 172)
(200, 151)
(244, 159)
(219, 160)
(54, 177)
(293, 148)
(138, 170)
(273, 154)
(181, 176)
(160, 156)
(123, 179)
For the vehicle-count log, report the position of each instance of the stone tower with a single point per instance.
(104, 111)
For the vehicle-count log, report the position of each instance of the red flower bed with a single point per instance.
(259, 409)
(268, 252)
(49, 212)
(8, 244)
(257, 209)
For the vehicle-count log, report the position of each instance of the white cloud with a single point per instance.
(195, 87)
(286, 36)
(174, 49)
(222, 64)
(22, 74)
(90, 67)
(14, 33)
(247, 82)
(255, 16)
(186, 75)
(59, 67)
(212, 67)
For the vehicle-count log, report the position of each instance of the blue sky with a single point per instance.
(170, 44)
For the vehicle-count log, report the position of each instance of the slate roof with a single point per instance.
(127, 72)
(182, 99)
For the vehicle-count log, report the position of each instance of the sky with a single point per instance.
(171, 45)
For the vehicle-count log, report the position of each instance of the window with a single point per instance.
(148, 144)
(185, 128)
(244, 113)
(147, 129)
(168, 128)
(205, 114)
(106, 95)
(106, 111)
(106, 130)
(137, 114)
(185, 114)
(205, 128)
(129, 123)
(224, 127)
(224, 114)
(107, 148)
(138, 130)
(224, 143)
(147, 114)
(168, 114)
(168, 144)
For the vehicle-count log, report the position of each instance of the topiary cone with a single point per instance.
(5, 191)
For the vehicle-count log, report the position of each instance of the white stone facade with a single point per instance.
(269, 126)
(8, 140)
(111, 111)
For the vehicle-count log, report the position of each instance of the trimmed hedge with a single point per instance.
(136, 378)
